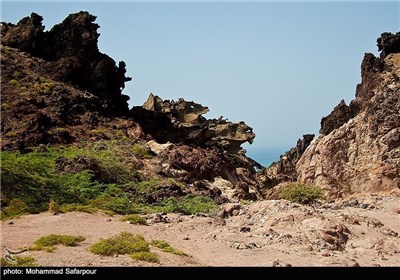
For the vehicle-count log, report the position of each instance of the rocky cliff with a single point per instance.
(358, 149)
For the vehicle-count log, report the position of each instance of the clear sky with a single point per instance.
(278, 66)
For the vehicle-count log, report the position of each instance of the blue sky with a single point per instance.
(278, 66)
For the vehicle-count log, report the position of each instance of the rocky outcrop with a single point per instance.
(340, 115)
(69, 53)
(284, 170)
(37, 109)
(182, 121)
(361, 154)
(181, 112)
(192, 165)
(388, 43)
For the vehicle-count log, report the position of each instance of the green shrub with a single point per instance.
(15, 208)
(14, 82)
(134, 219)
(57, 130)
(145, 256)
(304, 194)
(43, 86)
(54, 207)
(141, 152)
(20, 261)
(120, 134)
(5, 106)
(120, 205)
(189, 204)
(123, 243)
(47, 243)
(11, 134)
(100, 133)
(163, 245)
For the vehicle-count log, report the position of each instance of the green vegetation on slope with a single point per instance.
(89, 178)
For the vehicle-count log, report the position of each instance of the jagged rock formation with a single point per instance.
(284, 170)
(340, 115)
(38, 109)
(359, 148)
(70, 54)
(184, 123)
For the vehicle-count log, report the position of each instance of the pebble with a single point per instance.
(245, 229)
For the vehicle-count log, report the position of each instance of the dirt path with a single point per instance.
(257, 235)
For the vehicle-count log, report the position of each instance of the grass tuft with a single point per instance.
(123, 243)
(47, 243)
(163, 245)
(304, 194)
(146, 256)
(134, 219)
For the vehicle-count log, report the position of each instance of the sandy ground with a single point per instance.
(359, 231)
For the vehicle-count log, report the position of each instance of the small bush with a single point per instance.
(58, 130)
(123, 243)
(5, 106)
(47, 243)
(15, 208)
(11, 134)
(189, 204)
(44, 87)
(120, 205)
(54, 207)
(14, 82)
(163, 245)
(304, 194)
(141, 152)
(100, 133)
(134, 219)
(120, 134)
(145, 256)
(20, 261)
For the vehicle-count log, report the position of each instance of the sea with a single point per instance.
(267, 156)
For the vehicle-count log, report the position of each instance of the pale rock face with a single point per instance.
(363, 155)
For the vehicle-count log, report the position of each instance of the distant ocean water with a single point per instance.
(265, 157)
